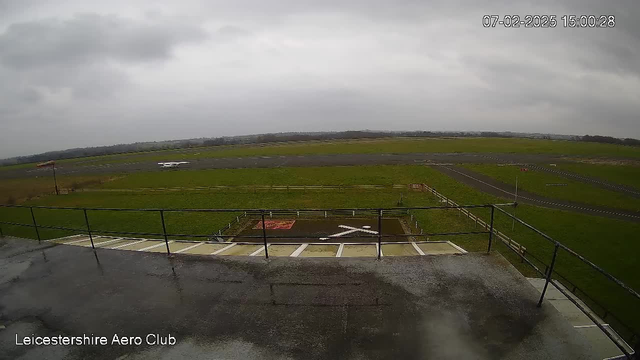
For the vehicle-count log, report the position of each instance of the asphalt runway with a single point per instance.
(293, 161)
(497, 188)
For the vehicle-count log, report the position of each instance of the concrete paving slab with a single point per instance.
(603, 347)
(552, 292)
(174, 246)
(71, 241)
(205, 249)
(120, 242)
(475, 306)
(359, 251)
(320, 251)
(241, 250)
(139, 245)
(105, 241)
(399, 250)
(437, 249)
(600, 343)
(570, 311)
(68, 239)
(87, 242)
(282, 250)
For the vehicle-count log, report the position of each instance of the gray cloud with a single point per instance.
(90, 38)
(78, 73)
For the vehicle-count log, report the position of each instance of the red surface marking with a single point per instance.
(275, 224)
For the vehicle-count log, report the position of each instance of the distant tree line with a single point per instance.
(611, 140)
(289, 137)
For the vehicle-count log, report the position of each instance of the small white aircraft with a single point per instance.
(172, 164)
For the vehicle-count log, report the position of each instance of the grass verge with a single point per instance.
(621, 174)
(537, 182)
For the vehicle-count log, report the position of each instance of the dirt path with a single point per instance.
(497, 188)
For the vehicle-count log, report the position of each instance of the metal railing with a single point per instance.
(550, 271)
(378, 213)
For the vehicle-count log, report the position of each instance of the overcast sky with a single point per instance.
(87, 73)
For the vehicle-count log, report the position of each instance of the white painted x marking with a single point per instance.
(350, 230)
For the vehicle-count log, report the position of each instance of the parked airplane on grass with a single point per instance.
(172, 164)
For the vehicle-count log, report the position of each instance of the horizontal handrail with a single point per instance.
(265, 210)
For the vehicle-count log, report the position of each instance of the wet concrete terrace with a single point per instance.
(474, 306)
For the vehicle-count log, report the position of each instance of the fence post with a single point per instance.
(491, 229)
(55, 181)
(86, 221)
(549, 273)
(1, 233)
(264, 237)
(164, 231)
(379, 234)
(35, 224)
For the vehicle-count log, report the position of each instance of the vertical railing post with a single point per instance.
(379, 234)
(491, 229)
(86, 221)
(55, 181)
(35, 224)
(549, 273)
(164, 231)
(264, 237)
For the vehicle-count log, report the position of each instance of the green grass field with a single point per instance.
(338, 175)
(606, 242)
(535, 181)
(373, 146)
(621, 174)
(21, 189)
(443, 145)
